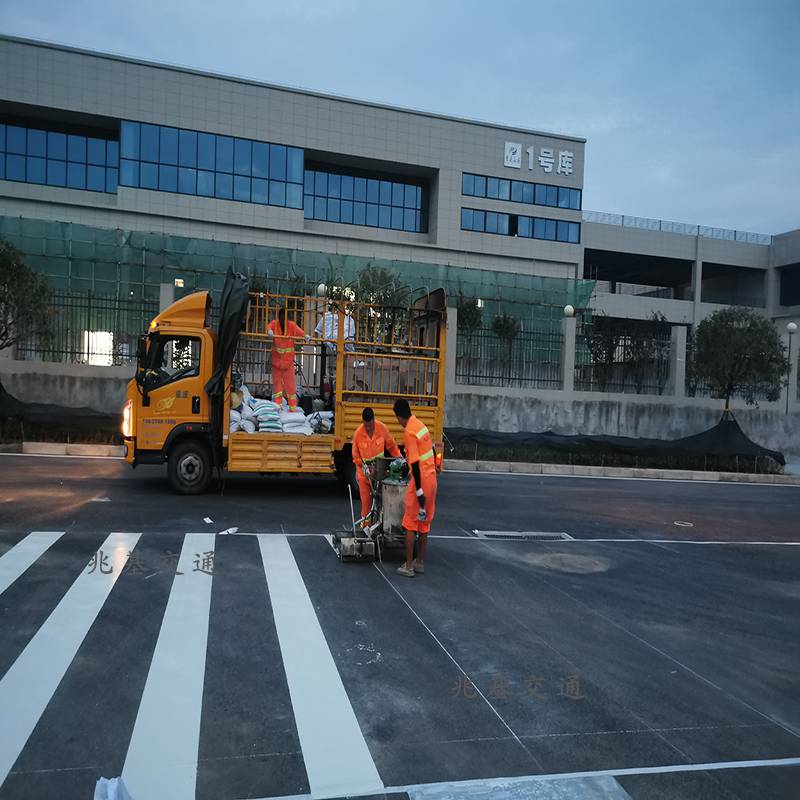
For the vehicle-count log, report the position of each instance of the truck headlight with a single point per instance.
(127, 420)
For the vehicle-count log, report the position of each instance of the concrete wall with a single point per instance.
(628, 416)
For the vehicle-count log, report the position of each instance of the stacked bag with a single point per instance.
(295, 422)
(243, 419)
(267, 414)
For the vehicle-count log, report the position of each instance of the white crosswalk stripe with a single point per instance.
(23, 554)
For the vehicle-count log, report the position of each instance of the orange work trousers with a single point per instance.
(283, 383)
(410, 521)
(365, 490)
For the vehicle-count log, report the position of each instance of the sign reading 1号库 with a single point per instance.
(547, 158)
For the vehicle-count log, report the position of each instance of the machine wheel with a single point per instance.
(189, 467)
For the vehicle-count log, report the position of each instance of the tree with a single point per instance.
(740, 352)
(382, 287)
(506, 328)
(24, 300)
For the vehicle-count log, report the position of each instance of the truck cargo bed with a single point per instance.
(280, 452)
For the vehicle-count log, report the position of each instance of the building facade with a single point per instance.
(121, 178)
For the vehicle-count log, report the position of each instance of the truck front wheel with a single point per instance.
(189, 467)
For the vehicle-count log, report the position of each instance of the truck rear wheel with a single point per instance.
(189, 467)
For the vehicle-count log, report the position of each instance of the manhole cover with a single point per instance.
(569, 562)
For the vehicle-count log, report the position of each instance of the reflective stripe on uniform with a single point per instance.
(284, 349)
(421, 432)
(427, 455)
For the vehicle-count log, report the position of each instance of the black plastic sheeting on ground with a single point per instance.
(50, 415)
(726, 438)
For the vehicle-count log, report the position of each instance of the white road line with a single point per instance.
(16, 560)
(479, 473)
(27, 687)
(336, 756)
(162, 753)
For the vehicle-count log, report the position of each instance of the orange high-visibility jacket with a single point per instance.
(366, 449)
(419, 447)
(282, 345)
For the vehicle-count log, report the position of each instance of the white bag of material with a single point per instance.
(248, 425)
(235, 416)
(292, 417)
(111, 789)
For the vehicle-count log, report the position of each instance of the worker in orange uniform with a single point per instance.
(285, 335)
(421, 494)
(370, 441)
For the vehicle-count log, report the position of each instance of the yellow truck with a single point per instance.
(351, 355)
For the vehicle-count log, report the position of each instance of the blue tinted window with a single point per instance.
(294, 195)
(148, 143)
(385, 217)
(373, 191)
(538, 228)
(563, 197)
(76, 149)
(541, 195)
(96, 152)
(187, 149)
(360, 191)
(397, 218)
(467, 184)
(111, 179)
(242, 158)
(320, 208)
(294, 165)
(517, 191)
(277, 192)
(308, 206)
(241, 188)
(168, 177)
(528, 190)
(575, 199)
(16, 141)
(574, 232)
(112, 154)
(57, 173)
(2, 166)
(410, 199)
(168, 152)
(502, 224)
(129, 140)
(333, 210)
(505, 190)
(76, 175)
(57, 146)
(37, 170)
(128, 172)
(148, 176)
(334, 185)
(480, 186)
(409, 219)
(372, 215)
(205, 183)
(347, 187)
(2, 138)
(96, 178)
(491, 222)
(466, 219)
(206, 151)
(550, 229)
(398, 194)
(478, 220)
(524, 227)
(347, 211)
(321, 183)
(552, 196)
(15, 167)
(259, 190)
(277, 163)
(308, 186)
(360, 213)
(260, 160)
(493, 188)
(187, 180)
(385, 194)
(224, 184)
(225, 156)
(37, 143)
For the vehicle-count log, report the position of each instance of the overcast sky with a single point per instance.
(691, 109)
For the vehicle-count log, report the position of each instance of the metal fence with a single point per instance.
(532, 359)
(88, 328)
(621, 360)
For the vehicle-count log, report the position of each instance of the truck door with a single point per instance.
(174, 387)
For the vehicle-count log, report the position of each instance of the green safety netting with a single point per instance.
(125, 263)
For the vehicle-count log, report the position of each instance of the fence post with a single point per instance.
(450, 350)
(677, 361)
(166, 295)
(568, 328)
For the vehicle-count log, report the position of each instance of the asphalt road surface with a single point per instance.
(570, 638)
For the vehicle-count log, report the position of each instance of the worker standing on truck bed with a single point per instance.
(421, 494)
(285, 335)
(370, 441)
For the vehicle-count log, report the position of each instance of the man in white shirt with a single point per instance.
(328, 328)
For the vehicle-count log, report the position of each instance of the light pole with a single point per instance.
(791, 328)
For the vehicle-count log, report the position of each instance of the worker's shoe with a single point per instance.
(418, 567)
(405, 571)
